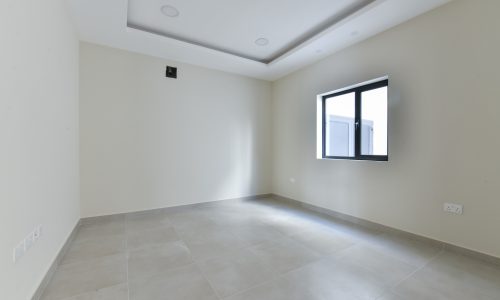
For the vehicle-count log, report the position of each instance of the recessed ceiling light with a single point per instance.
(261, 41)
(170, 11)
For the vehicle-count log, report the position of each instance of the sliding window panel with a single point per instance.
(374, 122)
(339, 125)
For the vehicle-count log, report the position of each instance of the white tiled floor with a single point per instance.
(258, 250)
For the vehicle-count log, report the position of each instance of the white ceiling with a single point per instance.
(220, 34)
(233, 26)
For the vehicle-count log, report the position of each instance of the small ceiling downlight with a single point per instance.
(169, 11)
(261, 42)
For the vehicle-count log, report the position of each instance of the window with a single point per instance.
(352, 122)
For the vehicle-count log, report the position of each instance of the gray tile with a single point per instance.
(188, 225)
(391, 296)
(101, 220)
(145, 220)
(318, 281)
(148, 261)
(144, 238)
(252, 250)
(326, 242)
(285, 255)
(413, 252)
(232, 274)
(452, 276)
(256, 233)
(340, 276)
(292, 224)
(117, 292)
(389, 269)
(94, 248)
(210, 244)
(100, 229)
(184, 283)
(83, 277)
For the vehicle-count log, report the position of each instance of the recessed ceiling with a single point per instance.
(232, 26)
(259, 38)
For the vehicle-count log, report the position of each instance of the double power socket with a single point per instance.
(27, 243)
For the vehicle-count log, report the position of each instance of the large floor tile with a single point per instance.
(149, 237)
(391, 296)
(262, 250)
(319, 281)
(255, 234)
(292, 224)
(205, 244)
(345, 276)
(146, 220)
(232, 274)
(116, 292)
(452, 276)
(83, 277)
(326, 242)
(100, 229)
(151, 260)
(191, 224)
(411, 251)
(184, 283)
(94, 248)
(285, 254)
(390, 270)
(103, 220)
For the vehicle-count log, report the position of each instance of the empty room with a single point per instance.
(249, 150)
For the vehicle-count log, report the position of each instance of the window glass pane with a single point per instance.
(339, 118)
(374, 122)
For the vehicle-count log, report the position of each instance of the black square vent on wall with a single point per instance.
(171, 72)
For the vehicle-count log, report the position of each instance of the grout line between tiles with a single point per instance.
(279, 276)
(391, 289)
(208, 280)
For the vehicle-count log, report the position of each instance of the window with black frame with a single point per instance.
(354, 122)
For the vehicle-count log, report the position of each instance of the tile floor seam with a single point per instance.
(279, 276)
(321, 254)
(388, 288)
(391, 289)
(367, 269)
(208, 281)
(315, 256)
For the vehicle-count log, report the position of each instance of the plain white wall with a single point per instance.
(38, 138)
(148, 141)
(443, 132)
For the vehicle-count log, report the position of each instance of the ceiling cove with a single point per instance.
(264, 39)
(280, 25)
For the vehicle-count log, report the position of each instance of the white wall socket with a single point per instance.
(27, 243)
(453, 208)
(18, 251)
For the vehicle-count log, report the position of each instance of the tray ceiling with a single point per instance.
(236, 27)
(265, 39)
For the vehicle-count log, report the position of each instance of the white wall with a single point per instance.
(38, 138)
(148, 141)
(444, 130)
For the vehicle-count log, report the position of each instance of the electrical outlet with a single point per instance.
(27, 243)
(18, 251)
(37, 233)
(453, 208)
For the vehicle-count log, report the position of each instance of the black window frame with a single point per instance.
(357, 90)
